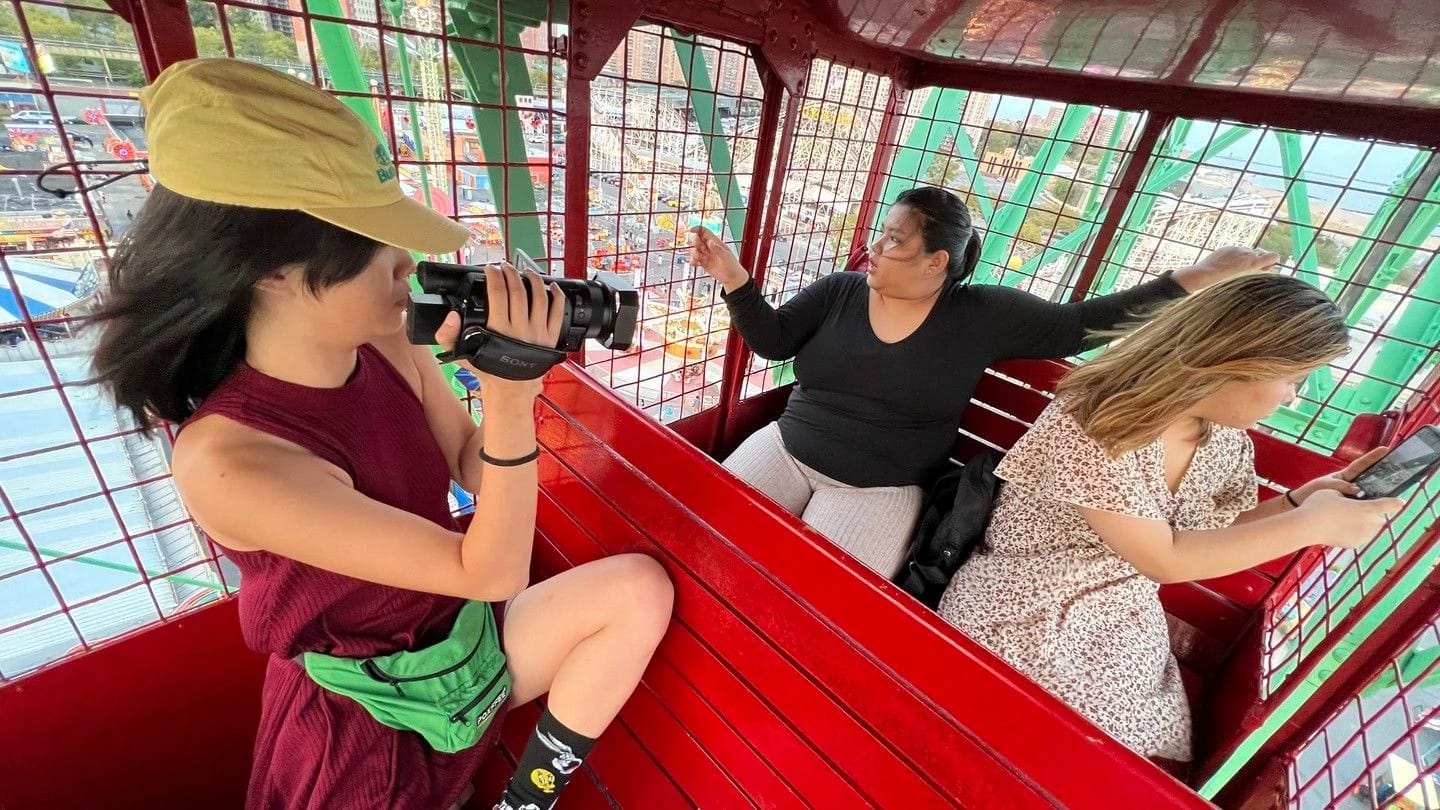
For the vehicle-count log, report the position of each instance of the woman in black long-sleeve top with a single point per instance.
(886, 361)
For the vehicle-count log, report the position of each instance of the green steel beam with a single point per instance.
(1138, 212)
(968, 159)
(1006, 224)
(942, 112)
(1304, 249)
(497, 122)
(1400, 359)
(1159, 177)
(1089, 217)
(703, 101)
(1401, 589)
(337, 50)
(1359, 266)
(1093, 203)
(1421, 225)
(919, 149)
(1415, 668)
(1303, 246)
(396, 8)
(1404, 218)
(110, 566)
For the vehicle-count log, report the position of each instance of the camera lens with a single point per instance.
(605, 309)
(439, 278)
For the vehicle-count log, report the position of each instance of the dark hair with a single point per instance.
(182, 286)
(945, 224)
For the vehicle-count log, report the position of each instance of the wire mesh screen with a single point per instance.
(1036, 175)
(475, 121)
(93, 540)
(837, 129)
(1250, 51)
(1303, 615)
(674, 131)
(1356, 218)
(1382, 749)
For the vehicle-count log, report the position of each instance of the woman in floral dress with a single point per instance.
(1141, 473)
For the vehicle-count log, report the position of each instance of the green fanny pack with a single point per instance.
(448, 692)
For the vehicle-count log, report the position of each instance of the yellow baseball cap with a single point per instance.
(229, 131)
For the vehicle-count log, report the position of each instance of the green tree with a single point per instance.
(1278, 238)
(998, 141)
(1411, 271)
(208, 42)
(45, 25)
(1060, 188)
(103, 28)
(1032, 232)
(842, 231)
(540, 78)
(370, 59)
(944, 170)
(281, 48)
(202, 15)
(1030, 145)
(129, 73)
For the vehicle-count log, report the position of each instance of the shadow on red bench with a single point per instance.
(1215, 625)
(793, 676)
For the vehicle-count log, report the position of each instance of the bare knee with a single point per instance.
(642, 594)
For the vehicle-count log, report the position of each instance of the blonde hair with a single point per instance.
(1260, 327)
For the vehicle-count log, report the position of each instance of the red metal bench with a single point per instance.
(1215, 625)
(792, 676)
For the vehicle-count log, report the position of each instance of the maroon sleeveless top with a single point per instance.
(316, 749)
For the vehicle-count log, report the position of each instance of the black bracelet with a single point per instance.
(1291, 499)
(509, 462)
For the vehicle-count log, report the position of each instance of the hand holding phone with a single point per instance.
(1408, 464)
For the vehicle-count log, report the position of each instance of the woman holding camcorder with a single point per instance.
(260, 302)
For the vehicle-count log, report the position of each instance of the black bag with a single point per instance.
(952, 525)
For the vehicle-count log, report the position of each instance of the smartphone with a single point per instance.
(523, 262)
(1403, 467)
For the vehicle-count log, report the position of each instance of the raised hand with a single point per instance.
(1226, 263)
(708, 252)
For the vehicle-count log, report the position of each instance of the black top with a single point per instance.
(872, 414)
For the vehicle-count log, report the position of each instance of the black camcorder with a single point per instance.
(604, 308)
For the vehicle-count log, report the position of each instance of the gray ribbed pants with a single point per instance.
(873, 524)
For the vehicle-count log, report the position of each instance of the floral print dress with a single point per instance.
(1052, 599)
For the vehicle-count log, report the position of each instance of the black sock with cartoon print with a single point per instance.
(550, 759)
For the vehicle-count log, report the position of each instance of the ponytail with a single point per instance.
(945, 225)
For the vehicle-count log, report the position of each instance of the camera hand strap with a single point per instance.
(504, 357)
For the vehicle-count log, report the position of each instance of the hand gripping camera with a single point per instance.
(604, 308)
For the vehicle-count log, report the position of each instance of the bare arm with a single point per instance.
(774, 334)
(250, 491)
(252, 495)
(1340, 481)
(1166, 555)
